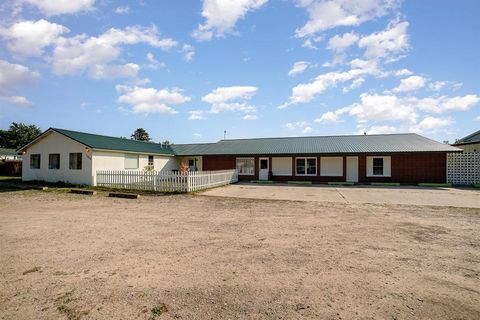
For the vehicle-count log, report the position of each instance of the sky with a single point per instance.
(187, 71)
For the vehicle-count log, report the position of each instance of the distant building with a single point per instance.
(470, 143)
(9, 155)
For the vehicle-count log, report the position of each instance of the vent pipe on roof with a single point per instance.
(364, 133)
(224, 134)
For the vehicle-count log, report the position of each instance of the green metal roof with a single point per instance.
(7, 152)
(383, 143)
(471, 138)
(96, 141)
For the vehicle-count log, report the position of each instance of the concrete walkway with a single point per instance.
(405, 195)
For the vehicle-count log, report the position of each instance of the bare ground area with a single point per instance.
(65, 256)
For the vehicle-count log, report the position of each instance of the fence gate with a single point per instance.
(463, 168)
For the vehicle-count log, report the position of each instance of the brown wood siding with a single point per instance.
(405, 168)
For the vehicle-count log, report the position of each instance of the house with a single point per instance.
(470, 143)
(7, 154)
(70, 156)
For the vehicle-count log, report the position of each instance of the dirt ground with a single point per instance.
(65, 256)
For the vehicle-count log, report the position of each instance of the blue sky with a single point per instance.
(188, 70)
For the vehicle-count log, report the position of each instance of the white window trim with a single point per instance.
(306, 174)
(369, 167)
(246, 158)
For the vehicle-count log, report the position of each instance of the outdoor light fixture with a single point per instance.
(24, 152)
(87, 150)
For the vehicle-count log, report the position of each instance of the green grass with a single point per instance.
(299, 182)
(436, 185)
(261, 181)
(10, 179)
(341, 183)
(385, 184)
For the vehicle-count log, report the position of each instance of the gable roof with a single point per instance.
(382, 143)
(96, 141)
(471, 138)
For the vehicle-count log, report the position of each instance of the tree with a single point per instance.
(18, 135)
(140, 134)
(166, 143)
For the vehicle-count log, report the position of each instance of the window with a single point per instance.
(131, 161)
(191, 165)
(306, 166)
(150, 161)
(378, 166)
(54, 161)
(246, 166)
(263, 164)
(34, 161)
(75, 161)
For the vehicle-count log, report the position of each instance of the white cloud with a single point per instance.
(195, 115)
(437, 85)
(221, 17)
(373, 107)
(328, 117)
(12, 77)
(328, 14)
(154, 63)
(81, 54)
(231, 99)
(151, 100)
(477, 118)
(444, 103)
(357, 83)
(431, 124)
(29, 38)
(122, 10)
(411, 83)
(402, 72)
(341, 43)
(250, 117)
(306, 92)
(390, 42)
(188, 52)
(56, 7)
(298, 68)
(309, 44)
(128, 70)
(299, 126)
(16, 100)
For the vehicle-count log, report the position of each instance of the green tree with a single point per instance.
(18, 135)
(140, 134)
(166, 143)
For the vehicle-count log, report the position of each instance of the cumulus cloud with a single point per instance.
(196, 115)
(328, 117)
(390, 42)
(57, 7)
(341, 43)
(378, 130)
(128, 70)
(431, 124)
(188, 52)
(411, 83)
(151, 100)
(221, 17)
(231, 99)
(357, 83)
(122, 10)
(298, 68)
(12, 77)
(29, 38)
(153, 62)
(81, 54)
(250, 117)
(328, 14)
(300, 126)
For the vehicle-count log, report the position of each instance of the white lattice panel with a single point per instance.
(463, 168)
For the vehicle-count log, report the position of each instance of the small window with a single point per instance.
(300, 166)
(54, 161)
(34, 161)
(264, 164)
(75, 161)
(150, 161)
(306, 166)
(246, 166)
(378, 166)
(131, 161)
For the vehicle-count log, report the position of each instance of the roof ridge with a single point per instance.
(330, 136)
(102, 135)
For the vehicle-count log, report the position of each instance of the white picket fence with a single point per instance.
(165, 181)
(463, 168)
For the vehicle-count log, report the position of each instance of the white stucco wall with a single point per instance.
(331, 166)
(54, 142)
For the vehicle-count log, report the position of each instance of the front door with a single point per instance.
(264, 169)
(352, 169)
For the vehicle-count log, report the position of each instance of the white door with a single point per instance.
(352, 169)
(264, 169)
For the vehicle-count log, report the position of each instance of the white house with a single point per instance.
(75, 157)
